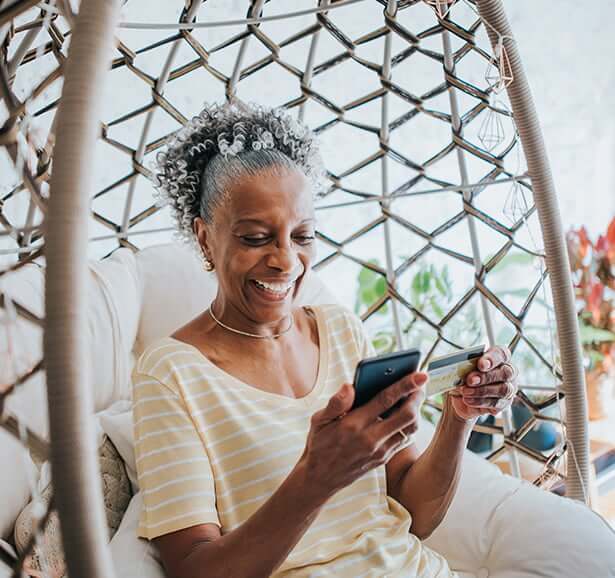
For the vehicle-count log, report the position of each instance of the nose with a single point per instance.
(283, 257)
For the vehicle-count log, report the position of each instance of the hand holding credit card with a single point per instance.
(447, 372)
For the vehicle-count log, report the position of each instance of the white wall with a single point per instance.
(568, 50)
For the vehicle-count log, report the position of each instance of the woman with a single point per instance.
(250, 460)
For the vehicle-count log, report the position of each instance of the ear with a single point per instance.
(200, 230)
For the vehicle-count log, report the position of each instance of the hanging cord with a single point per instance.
(545, 478)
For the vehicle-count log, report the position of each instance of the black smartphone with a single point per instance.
(377, 373)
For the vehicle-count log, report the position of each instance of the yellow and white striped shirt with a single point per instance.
(212, 449)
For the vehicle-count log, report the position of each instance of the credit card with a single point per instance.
(448, 371)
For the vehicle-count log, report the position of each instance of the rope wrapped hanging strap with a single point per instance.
(73, 448)
(499, 30)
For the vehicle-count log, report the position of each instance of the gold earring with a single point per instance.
(208, 265)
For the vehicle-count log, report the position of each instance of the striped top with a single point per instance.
(212, 449)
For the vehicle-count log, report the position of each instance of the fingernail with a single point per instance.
(420, 378)
(487, 364)
(474, 380)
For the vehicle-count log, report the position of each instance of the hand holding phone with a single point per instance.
(377, 373)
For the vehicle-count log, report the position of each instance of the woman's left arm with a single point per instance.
(425, 484)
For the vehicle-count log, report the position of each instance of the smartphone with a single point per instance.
(377, 373)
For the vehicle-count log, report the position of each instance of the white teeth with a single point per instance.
(276, 287)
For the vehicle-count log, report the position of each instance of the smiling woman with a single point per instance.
(249, 457)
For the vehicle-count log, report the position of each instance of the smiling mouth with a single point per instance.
(273, 291)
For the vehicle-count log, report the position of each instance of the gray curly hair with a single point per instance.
(220, 145)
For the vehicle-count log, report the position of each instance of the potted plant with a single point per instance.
(593, 274)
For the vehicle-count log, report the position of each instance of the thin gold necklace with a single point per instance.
(238, 331)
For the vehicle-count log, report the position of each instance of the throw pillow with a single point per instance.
(47, 557)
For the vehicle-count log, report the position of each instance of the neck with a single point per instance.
(233, 319)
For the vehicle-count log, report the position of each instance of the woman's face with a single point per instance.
(261, 242)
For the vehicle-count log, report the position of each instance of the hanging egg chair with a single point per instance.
(440, 222)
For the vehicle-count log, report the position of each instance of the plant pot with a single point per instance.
(599, 393)
(542, 437)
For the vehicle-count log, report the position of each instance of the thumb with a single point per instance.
(339, 403)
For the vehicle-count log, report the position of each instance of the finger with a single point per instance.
(419, 378)
(481, 402)
(338, 405)
(493, 357)
(388, 397)
(504, 372)
(496, 390)
(404, 416)
(499, 402)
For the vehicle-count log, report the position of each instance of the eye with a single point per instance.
(304, 239)
(255, 240)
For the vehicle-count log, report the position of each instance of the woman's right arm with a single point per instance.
(337, 452)
(254, 549)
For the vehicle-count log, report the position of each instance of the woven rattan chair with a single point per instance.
(472, 112)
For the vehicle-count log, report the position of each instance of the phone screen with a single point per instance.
(377, 373)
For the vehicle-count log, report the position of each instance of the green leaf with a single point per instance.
(383, 342)
(589, 334)
(440, 285)
(437, 309)
(416, 284)
(367, 296)
(513, 259)
(380, 287)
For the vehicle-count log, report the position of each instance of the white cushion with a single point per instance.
(134, 557)
(482, 487)
(498, 526)
(14, 484)
(113, 314)
(116, 422)
(176, 288)
(536, 533)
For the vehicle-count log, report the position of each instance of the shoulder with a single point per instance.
(163, 360)
(340, 319)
